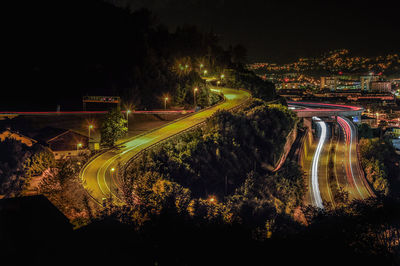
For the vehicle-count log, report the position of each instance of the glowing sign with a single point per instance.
(101, 99)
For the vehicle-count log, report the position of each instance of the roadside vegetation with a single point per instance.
(19, 163)
(381, 165)
(113, 127)
(63, 187)
(221, 171)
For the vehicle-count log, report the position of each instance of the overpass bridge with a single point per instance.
(310, 109)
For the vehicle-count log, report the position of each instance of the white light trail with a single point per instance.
(314, 171)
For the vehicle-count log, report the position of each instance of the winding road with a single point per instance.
(100, 174)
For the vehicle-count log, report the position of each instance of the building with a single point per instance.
(395, 131)
(329, 83)
(366, 81)
(381, 86)
(64, 143)
(341, 82)
(290, 85)
(8, 133)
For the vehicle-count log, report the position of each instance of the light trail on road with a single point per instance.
(347, 169)
(354, 172)
(349, 142)
(314, 171)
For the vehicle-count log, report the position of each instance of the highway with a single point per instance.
(100, 175)
(352, 178)
(341, 149)
(316, 198)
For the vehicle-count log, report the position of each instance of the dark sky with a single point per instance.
(281, 30)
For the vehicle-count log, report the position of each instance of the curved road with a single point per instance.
(100, 174)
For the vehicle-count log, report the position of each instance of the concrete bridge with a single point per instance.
(309, 109)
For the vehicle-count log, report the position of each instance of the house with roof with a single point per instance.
(64, 143)
(11, 134)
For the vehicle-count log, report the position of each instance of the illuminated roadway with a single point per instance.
(351, 179)
(347, 171)
(315, 192)
(99, 179)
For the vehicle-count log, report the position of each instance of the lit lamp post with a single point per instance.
(194, 96)
(112, 170)
(205, 72)
(89, 128)
(165, 103)
(127, 119)
(212, 199)
(201, 66)
(218, 82)
(222, 76)
(79, 145)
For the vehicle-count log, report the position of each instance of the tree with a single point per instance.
(365, 131)
(63, 187)
(19, 162)
(113, 127)
(41, 160)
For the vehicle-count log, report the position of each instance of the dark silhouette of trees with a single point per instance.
(380, 163)
(18, 163)
(63, 187)
(113, 127)
(96, 48)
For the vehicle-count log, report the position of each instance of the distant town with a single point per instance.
(372, 82)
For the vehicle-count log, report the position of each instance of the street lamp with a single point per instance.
(222, 76)
(205, 72)
(127, 120)
(89, 128)
(79, 145)
(218, 82)
(212, 199)
(194, 96)
(112, 170)
(165, 103)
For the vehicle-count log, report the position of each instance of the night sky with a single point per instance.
(282, 31)
(53, 45)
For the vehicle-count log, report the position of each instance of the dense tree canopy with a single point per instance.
(381, 164)
(19, 162)
(113, 127)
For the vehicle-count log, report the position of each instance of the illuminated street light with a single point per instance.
(212, 199)
(194, 96)
(201, 65)
(89, 128)
(205, 72)
(218, 82)
(165, 103)
(112, 170)
(79, 145)
(127, 120)
(222, 76)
